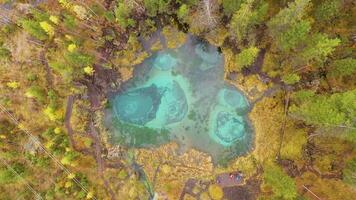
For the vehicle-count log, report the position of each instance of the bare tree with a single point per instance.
(206, 16)
(209, 7)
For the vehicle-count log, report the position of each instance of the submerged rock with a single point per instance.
(229, 128)
(138, 106)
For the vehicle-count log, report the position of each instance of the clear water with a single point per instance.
(181, 95)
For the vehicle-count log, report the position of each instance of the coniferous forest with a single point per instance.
(62, 62)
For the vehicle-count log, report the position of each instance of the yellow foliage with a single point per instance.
(49, 29)
(68, 184)
(13, 84)
(52, 114)
(21, 126)
(89, 70)
(72, 47)
(80, 11)
(229, 60)
(57, 130)
(54, 19)
(65, 4)
(217, 36)
(330, 189)
(166, 169)
(49, 144)
(174, 37)
(247, 164)
(216, 192)
(71, 176)
(292, 146)
(68, 37)
(267, 116)
(90, 195)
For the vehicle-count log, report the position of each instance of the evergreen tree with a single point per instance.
(122, 14)
(183, 12)
(155, 7)
(287, 17)
(246, 57)
(231, 6)
(242, 20)
(297, 34)
(327, 10)
(319, 47)
(336, 110)
(343, 67)
(283, 186)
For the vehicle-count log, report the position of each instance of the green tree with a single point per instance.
(343, 67)
(319, 47)
(336, 110)
(287, 17)
(37, 93)
(242, 20)
(122, 14)
(155, 7)
(297, 34)
(349, 172)
(34, 28)
(183, 11)
(246, 18)
(327, 10)
(291, 78)
(282, 185)
(7, 174)
(5, 54)
(246, 57)
(231, 6)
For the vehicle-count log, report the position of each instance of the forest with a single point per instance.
(62, 60)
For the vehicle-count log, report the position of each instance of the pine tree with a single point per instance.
(122, 14)
(319, 47)
(231, 6)
(336, 110)
(246, 57)
(242, 20)
(295, 35)
(343, 67)
(287, 17)
(155, 7)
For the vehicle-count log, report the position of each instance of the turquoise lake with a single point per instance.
(180, 95)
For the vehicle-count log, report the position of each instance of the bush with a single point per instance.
(216, 192)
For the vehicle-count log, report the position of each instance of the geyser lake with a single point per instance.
(180, 95)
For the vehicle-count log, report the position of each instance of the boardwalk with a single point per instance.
(229, 179)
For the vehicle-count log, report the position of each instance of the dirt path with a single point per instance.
(67, 117)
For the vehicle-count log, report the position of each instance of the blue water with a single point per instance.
(181, 95)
